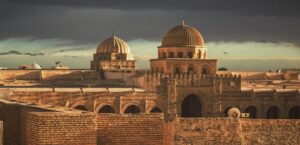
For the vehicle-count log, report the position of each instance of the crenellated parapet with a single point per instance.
(228, 83)
(224, 82)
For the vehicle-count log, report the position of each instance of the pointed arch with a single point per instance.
(273, 112)
(155, 110)
(252, 111)
(133, 109)
(81, 107)
(294, 112)
(106, 109)
(191, 106)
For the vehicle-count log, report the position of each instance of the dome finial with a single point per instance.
(182, 23)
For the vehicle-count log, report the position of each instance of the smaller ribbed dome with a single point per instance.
(182, 35)
(112, 45)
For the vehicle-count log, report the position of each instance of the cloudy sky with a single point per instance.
(255, 35)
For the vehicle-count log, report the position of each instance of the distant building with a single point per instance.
(34, 65)
(60, 66)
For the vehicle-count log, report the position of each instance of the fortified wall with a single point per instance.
(31, 124)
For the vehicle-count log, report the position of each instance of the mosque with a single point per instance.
(181, 99)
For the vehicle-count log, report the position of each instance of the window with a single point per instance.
(163, 55)
(180, 54)
(171, 54)
(190, 54)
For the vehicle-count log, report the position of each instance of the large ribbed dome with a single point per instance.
(113, 45)
(182, 35)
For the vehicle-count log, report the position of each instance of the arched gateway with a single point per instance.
(191, 106)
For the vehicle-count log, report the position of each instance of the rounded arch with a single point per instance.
(191, 106)
(252, 111)
(81, 107)
(133, 109)
(155, 110)
(106, 109)
(273, 112)
(294, 112)
(190, 69)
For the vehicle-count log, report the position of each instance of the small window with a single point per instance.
(180, 54)
(163, 55)
(190, 54)
(171, 54)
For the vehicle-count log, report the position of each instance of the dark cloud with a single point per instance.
(11, 52)
(90, 21)
(14, 52)
(274, 7)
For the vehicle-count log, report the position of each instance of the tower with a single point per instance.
(183, 51)
(113, 53)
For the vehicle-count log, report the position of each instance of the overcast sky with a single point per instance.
(253, 35)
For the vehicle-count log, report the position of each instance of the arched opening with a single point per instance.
(107, 109)
(177, 69)
(225, 113)
(191, 106)
(190, 69)
(156, 110)
(205, 69)
(81, 107)
(294, 112)
(252, 111)
(199, 54)
(132, 109)
(273, 112)
(204, 55)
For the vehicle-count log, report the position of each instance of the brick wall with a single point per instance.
(207, 131)
(61, 128)
(234, 131)
(130, 129)
(13, 122)
(271, 132)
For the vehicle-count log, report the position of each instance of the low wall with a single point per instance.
(234, 131)
(62, 75)
(61, 128)
(20, 74)
(130, 129)
(49, 75)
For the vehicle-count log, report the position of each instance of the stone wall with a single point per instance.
(207, 131)
(130, 129)
(61, 128)
(271, 132)
(234, 131)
